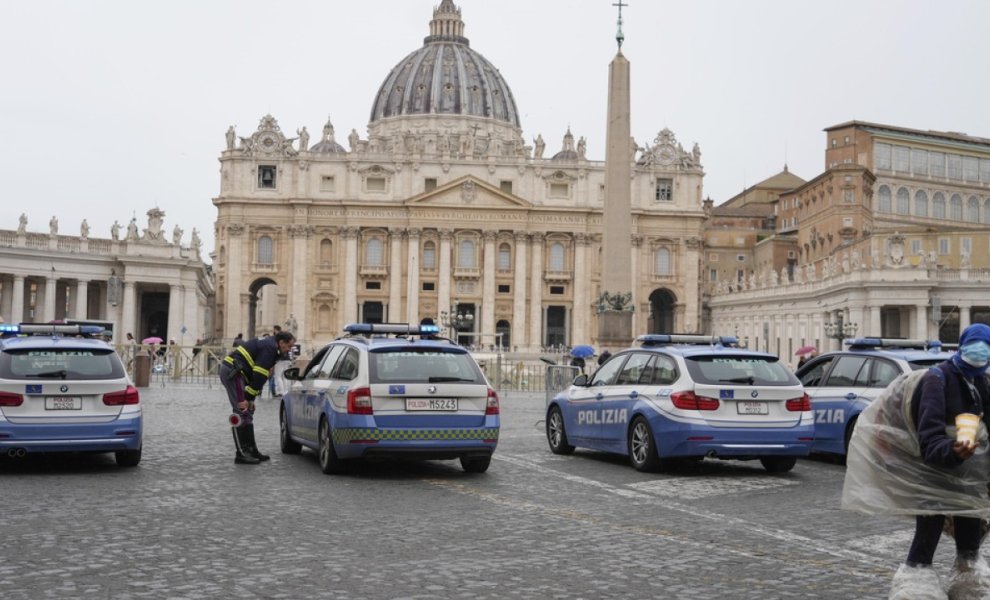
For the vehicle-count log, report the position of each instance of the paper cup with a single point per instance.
(966, 424)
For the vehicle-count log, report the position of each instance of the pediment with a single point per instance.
(468, 191)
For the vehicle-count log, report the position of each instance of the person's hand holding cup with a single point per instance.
(966, 427)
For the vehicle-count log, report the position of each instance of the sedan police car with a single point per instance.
(685, 396)
(61, 391)
(391, 390)
(842, 383)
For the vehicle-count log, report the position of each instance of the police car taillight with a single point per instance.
(359, 401)
(492, 407)
(799, 404)
(690, 401)
(128, 396)
(9, 399)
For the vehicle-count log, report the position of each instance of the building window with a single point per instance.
(665, 190)
(429, 286)
(847, 221)
(374, 253)
(834, 143)
(973, 209)
(966, 245)
(326, 253)
(936, 164)
(429, 184)
(265, 250)
(505, 186)
(902, 158)
(504, 257)
(740, 275)
(955, 208)
(557, 257)
(373, 285)
(943, 246)
(849, 196)
(919, 162)
(920, 204)
(938, 206)
(741, 257)
(986, 211)
(557, 290)
(328, 183)
(971, 168)
(560, 190)
(845, 140)
(266, 176)
(712, 274)
(881, 156)
(465, 255)
(430, 255)
(661, 262)
(375, 184)
(883, 199)
(504, 288)
(985, 170)
(903, 202)
(916, 247)
(955, 167)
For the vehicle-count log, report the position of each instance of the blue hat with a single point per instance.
(977, 332)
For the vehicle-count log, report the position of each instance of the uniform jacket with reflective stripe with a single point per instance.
(254, 359)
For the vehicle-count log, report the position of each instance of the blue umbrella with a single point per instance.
(582, 351)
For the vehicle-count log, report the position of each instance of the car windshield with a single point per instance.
(422, 365)
(60, 363)
(739, 370)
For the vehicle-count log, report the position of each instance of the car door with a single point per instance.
(834, 398)
(342, 378)
(615, 406)
(580, 411)
(317, 386)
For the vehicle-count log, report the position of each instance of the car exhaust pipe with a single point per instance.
(17, 453)
(711, 454)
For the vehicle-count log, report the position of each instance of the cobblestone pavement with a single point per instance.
(189, 523)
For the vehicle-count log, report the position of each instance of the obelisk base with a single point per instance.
(615, 330)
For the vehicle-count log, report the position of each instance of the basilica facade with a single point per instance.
(445, 212)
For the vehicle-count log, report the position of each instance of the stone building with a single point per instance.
(445, 211)
(143, 282)
(891, 240)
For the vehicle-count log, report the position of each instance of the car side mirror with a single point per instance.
(292, 374)
(581, 380)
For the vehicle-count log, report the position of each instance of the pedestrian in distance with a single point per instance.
(243, 374)
(604, 356)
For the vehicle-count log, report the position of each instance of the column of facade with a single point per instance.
(299, 284)
(692, 284)
(17, 300)
(920, 322)
(49, 312)
(488, 290)
(581, 313)
(395, 312)
(964, 316)
(5, 299)
(176, 312)
(536, 294)
(234, 321)
(128, 320)
(191, 314)
(82, 298)
(876, 326)
(350, 274)
(443, 287)
(519, 292)
(412, 273)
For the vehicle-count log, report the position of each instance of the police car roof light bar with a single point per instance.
(49, 329)
(368, 329)
(662, 339)
(865, 343)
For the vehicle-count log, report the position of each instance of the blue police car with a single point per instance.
(64, 389)
(842, 383)
(391, 390)
(685, 396)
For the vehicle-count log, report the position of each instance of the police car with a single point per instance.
(63, 389)
(842, 383)
(391, 390)
(685, 396)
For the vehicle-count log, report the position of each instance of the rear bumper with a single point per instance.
(425, 443)
(119, 434)
(734, 443)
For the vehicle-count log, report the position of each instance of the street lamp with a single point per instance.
(457, 319)
(838, 330)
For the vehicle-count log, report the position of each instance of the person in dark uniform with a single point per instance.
(243, 374)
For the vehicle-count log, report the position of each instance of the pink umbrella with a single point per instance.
(805, 350)
(152, 340)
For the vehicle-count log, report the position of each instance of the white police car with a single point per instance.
(685, 396)
(368, 395)
(842, 383)
(61, 391)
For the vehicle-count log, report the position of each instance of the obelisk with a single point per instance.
(615, 299)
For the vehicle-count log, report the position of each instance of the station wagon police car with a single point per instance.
(686, 396)
(368, 395)
(63, 389)
(842, 383)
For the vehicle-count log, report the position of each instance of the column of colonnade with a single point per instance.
(488, 290)
(350, 274)
(412, 289)
(581, 333)
(519, 337)
(394, 313)
(536, 294)
(443, 287)
(82, 300)
(299, 293)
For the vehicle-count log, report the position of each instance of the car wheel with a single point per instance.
(556, 434)
(285, 440)
(642, 447)
(475, 465)
(329, 461)
(849, 433)
(778, 464)
(127, 458)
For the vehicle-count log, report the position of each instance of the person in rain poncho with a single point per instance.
(905, 459)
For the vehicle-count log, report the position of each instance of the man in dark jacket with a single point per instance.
(243, 374)
(959, 385)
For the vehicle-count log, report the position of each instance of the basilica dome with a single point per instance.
(445, 77)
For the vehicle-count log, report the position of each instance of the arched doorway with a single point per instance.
(263, 309)
(505, 329)
(661, 312)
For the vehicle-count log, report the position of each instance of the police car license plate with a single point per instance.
(752, 408)
(443, 404)
(63, 403)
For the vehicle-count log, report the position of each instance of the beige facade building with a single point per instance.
(891, 240)
(446, 211)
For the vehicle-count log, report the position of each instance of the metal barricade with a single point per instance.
(558, 378)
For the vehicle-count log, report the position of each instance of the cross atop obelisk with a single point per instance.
(619, 37)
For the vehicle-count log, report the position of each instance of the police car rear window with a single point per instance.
(739, 370)
(422, 365)
(60, 363)
(925, 363)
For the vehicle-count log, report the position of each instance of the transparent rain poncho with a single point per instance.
(885, 474)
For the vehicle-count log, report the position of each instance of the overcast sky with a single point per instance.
(112, 107)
